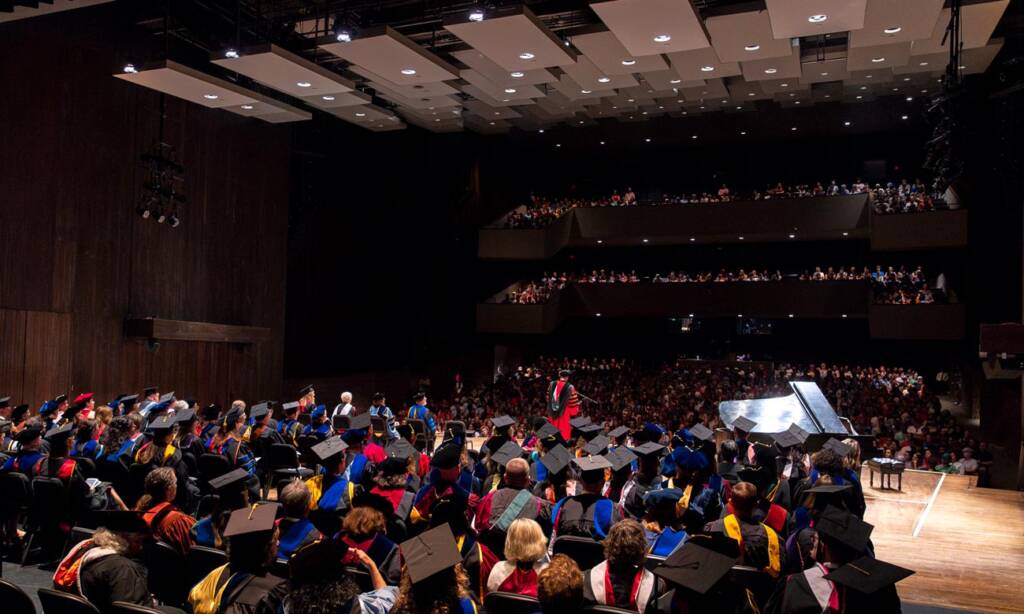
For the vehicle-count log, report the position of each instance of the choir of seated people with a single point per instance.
(898, 286)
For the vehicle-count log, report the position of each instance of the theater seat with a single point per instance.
(500, 602)
(166, 581)
(201, 561)
(56, 602)
(585, 551)
(15, 600)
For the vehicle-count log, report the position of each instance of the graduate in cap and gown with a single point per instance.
(829, 461)
(29, 457)
(512, 500)
(434, 578)
(563, 403)
(419, 411)
(392, 483)
(647, 478)
(237, 452)
(295, 529)
(320, 581)
(587, 513)
(210, 424)
(244, 584)
(366, 528)
(307, 399)
(289, 427)
(189, 441)
(756, 544)
(318, 426)
(447, 479)
(661, 522)
(331, 490)
(621, 580)
(477, 559)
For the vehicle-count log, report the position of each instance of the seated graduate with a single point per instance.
(231, 493)
(477, 558)
(295, 529)
(513, 499)
(771, 514)
(86, 443)
(359, 467)
(447, 479)
(244, 585)
(525, 557)
(662, 526)
(433, 579)
(727, 465)
(623, 461)
(830, 461)
(621, 579)
(189, 441)
(29, 456)
(210, 425)
(318, 426)
(122, 437)
(365, 529)
(228, 443)
(261, 426)
(331, 490)
(161, 452)
(647, 478)
(552, 469)
(379, 407)
(166, 522)
(290, 428)
(587, 513)
(560, 586)
(422, 463)
(103, 568)
(319, 583)
(500, 435)
(755, 544)
(699, 576)
(392, 484)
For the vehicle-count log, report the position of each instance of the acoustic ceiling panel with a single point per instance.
(787, 67)
(189, 84)
(896, 21)
(978, 22)
(881, 56)
(284, 71)
(394, 57)
(651, 27)
(332, 101)
(703, 64)
(823, 71)
(793, 18)
(45, 8)
(498, 75)
(611, 57)
(515, 42)
(742, 37)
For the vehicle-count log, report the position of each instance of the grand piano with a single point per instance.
(806, 407)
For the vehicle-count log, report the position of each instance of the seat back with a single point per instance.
(56, 602)
(585, 551)
(361, 577)
(51, 502)
(212, 466)
(17, 489)
(15, 600)
(340, 423)
(759, 583)
(418, 426)
(282, 456)
(135, 484)
(121, 607)
(166, 581)
(200, 561)
(87, 466)
(500, 602)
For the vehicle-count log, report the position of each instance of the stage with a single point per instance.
(965, 543)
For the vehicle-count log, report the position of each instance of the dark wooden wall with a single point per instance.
(75, 258)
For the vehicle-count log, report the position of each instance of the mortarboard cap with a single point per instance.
(597, 445)
(329, 448)
(317, 560)
(48, 407)
(19, 412)
(259, 411)
(362, 421)
(5, 402)
(702, 433)
(190, 403)
(211, 412)
(375, 501)
(318, 411)
(868, 575)
(186, 415)
(507, 452)
(73, 410)
(547, 430)
(652, 498)
(149, 390)
(556, 459)
(837, 446)
(579, 422)
(162, 423)
(446, 457)
(841, 526)
(401, 449)
(305, 390)
(620, 458)
(785, 439)
(392, 466)
(430, 552)
(122, 522)
(229, 479)
(618, 431)
(502, 422)
(695, 567)
(256, 519)
(743, 423)
(758, 476)
(233, 415)
(828, 489)
(129, 399)
(85, 397)
(28, 434)
(354, 437)
(289, 407)
(648, 448)
(564, 373)
(797, 432)
(60, 434)
(592, 463)
(60, 398)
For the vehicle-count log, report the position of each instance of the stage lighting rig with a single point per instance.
(161, 196)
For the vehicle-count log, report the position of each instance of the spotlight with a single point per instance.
(662, 38)
(526, 55)
(752, 47)
(476, 15)
(130, 69)
(161, 218)
(344, 36)
(628, 62)
(817, 18)
(231, 54)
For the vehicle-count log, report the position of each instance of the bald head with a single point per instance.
(517, 473)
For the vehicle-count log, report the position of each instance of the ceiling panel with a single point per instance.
(490, 113)
(482, 126)
(978, 21)
(610, 56)
(364, 115)
(45, 8)
(590, 77)
(662, 80)
(740, 90)
(896, 21)
(702, 64)
(270, 110)
(393, 56)
(498, 75)
(712, 89)
(869, 77)
(479, 94)
(637, 23)
(742, 37)
(792, 18)
(333, 101)
(881, 56)
(284, 71)
(823, 71)
(573, 91)
(783, 86)
(189, 84)
(437, 88)
(504, 39)
(774, 68)
(497, 92)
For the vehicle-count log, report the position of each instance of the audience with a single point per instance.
(560, 586)
(525, 558)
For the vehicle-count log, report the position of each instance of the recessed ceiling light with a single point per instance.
(328, 98)
(846, 123)
(791, 94)
(895, 89)
(878, 60)
(598, 314)
(408, 72)
(751, 94)
(796, 102)
(517, 75)
(644, 113)
(344, 36)
(690, 316)
(492, 123)
(628, 62)
(631, 100)
(863, 87)
(231, 53)
(741, 237)
(707, 68)
(783, 85)
(476, 15)
(910, 98)
(844, 315)
(247, 107)
(662, 38)
(130, 68)
(906, 78)
(541, 130)
(892, 30)
(903, 117)
(793, 129)
(792, 236)
(859, 96)
(752, 47)
(724, 101)
(645, 240)
(661, 106)
(817, 18)
(963, 67)
(558, 144)
(585, 91)
(739, 108)
(304, 84)
(692, 239)
(770, 71)
(603, 79)
(360, 114)
(684, 112)
(869, 76)
(742, 133)
(694, 136)
(824, 74)
(497, 112)
(602, 143)
(647, 140)
(923, 64)
(846, 234)
(526, 55)
(675, 81)
(211, 96)
(438, 119)
(791, 315)
(510, 90)
(600, 241)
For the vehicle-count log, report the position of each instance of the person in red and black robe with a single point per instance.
(563, 403)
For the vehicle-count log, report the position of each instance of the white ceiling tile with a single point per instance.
(388, 53)
(914, 19)
(791, 18)
(731, 35)
(691, 65)
(881, 56)
(608, 54)
(504, 38)
(636, 23)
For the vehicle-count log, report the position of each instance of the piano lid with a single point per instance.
(807, 408)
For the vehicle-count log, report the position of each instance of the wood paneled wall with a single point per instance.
(75, 258)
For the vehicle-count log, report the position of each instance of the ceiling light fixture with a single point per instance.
(628, 62)
(770, 71)
(360, 114)
(408, 72)
(602, 143)
(211, 96)
(247, 107)
(892, 30)
(694, 136)
(783, 85)
(476, 15)
(923, 64)
(752, 47)
(903, 117)
(662, 38)
(344, 36)
(792, 236)
(742, 133)
(541, 131)
(824, 74)
(645, 240)
(675, 81)
(846, 123)
(707, 68)
(603, 79)
(692, 239)
(517, 75)
(130, 69)
(526, 55)
(878, 60)
(585, 91)
(910, 98)
(859, 96)
(510, 90)
(817, 18)
(647, 140)
(793, 129)
(231, 53)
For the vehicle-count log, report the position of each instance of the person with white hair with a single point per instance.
(344, 408)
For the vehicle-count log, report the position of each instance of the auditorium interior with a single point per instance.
(256, 251)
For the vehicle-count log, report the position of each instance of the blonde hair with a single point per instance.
(525, 541)
(852, 460)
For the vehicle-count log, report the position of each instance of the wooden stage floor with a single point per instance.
(965, 543)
